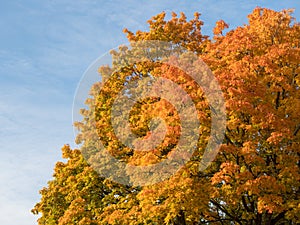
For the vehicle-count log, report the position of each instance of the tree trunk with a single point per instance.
(180, 218)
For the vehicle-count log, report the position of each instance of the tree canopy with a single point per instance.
(254, 179)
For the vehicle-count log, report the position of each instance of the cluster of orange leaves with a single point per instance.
(255, 178)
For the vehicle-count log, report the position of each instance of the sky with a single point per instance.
(45, 48)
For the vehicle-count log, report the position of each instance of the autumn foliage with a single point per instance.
(255, 178)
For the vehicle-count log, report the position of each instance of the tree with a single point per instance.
(255, 178)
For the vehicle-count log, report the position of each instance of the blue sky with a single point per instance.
(45, 47)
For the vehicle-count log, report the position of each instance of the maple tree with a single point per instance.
(255, 178)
